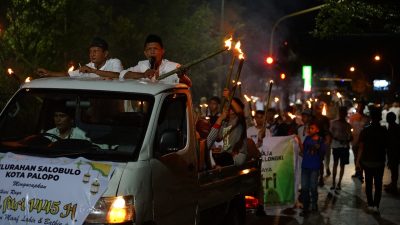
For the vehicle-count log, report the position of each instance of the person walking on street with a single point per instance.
(314, 149)
(358, 121)
(393, 152)
(341, 136)
(371, 157)
(323, 124)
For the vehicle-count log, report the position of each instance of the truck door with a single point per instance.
(174, 164)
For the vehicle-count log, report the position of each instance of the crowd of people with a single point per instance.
(369, 131)
(372, 133)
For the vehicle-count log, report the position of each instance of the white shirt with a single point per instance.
(113, 65)
(357, 122)
(302, 132)
(341, 133)
(252, 132)
(76, 133)
(165, 67)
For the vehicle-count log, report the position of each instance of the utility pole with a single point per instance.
(286, 17)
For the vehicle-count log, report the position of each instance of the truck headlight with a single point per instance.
(110, 210)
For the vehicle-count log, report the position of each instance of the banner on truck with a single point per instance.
(58, 191)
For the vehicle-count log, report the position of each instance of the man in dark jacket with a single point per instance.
(393, 151)
(372, 157)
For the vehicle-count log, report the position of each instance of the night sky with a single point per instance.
(251, 21)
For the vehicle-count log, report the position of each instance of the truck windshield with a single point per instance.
(73, 123)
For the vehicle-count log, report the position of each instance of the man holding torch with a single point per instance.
(155, 65)
(99, 66)
(231, 128)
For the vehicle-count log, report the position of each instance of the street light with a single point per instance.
(352, 69)
(378, 58)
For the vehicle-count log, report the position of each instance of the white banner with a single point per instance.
(53, 191)
(279, 170)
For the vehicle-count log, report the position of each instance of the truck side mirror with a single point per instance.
(170, 141)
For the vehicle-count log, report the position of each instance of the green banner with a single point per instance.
(278, 171)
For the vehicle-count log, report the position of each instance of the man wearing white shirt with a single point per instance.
(155, 65)
(99, 65)
(256, 133)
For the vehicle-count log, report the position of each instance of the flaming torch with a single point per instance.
(239, 70)
(249, 100)
(13, 75)
(340, 98)
(28, 79)
(188, 65)
(271, 82)
(239, 86)
(234, 54)
(324, 110)
(71, 68)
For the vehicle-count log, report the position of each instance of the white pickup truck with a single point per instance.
(141, 138)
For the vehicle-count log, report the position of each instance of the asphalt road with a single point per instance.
(347, 207)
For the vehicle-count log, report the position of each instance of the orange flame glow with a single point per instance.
(247, 98)
(239, 50)
(71, 69)
(28, 79)
(10, 71)
(324, 110)
(291, 115)
(228, 43)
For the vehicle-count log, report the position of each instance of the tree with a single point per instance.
(39, 33)
(349, 17)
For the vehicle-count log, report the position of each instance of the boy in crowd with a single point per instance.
(314, 149)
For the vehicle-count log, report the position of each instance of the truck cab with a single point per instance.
(144, 130)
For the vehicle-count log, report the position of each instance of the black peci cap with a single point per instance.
(153, 38)
(99, 42)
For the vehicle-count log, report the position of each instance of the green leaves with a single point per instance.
(349, 17)
(52, 34)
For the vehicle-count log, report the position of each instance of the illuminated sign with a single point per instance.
(307, 77)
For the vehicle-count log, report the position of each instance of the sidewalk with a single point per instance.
(347, 206)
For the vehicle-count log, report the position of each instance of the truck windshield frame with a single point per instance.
(103, 123)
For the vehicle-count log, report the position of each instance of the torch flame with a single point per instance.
(10, 71)
(338, 95)
(254, 98)
(28, 79)
(71, 69)
(291, 115)
(228, 43)
(309, 104)
(239, 50)
(239, 83)
(324, 110)
(247, 98)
